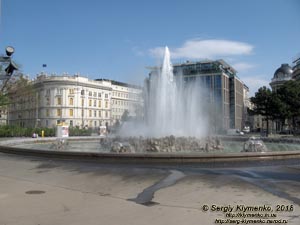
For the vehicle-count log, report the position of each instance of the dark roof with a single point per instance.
(284, 71)
(120, 83)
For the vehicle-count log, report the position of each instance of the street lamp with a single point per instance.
(9, 50)
(9, 70)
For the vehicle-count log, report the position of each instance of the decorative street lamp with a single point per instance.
(9, 50)
(11, 67)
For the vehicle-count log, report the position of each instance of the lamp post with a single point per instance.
(11, 66)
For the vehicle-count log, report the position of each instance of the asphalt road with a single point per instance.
(44, 191)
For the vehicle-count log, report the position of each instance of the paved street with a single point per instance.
(46, 192)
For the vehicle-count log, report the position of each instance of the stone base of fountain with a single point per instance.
(168, 144)
(60, 144)
(254, 145)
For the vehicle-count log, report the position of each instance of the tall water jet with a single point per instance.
(173, 106)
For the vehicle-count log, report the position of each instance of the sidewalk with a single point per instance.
(35, 191)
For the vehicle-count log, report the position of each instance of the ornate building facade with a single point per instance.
(75, 100)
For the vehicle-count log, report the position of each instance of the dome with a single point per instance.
(285, 71)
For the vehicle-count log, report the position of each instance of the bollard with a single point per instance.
(43, 133)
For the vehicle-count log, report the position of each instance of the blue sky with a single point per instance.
(118, 39)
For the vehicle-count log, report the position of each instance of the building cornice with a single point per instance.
(42, 83)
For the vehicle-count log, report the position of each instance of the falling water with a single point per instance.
(173, 106)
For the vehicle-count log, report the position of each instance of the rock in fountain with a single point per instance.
(60, 144)
(254, 145)
(168, 144)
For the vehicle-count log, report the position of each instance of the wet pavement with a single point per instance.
(37, 190)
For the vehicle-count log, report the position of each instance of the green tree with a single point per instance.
(264, 104)
(289, 95)
(3, 95)
(125, 116)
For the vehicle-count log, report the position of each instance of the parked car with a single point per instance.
(286, 132)
(235, 132)
(246, 129)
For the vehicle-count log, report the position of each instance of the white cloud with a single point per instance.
(242, 67)
(202, 49)
(255, 82)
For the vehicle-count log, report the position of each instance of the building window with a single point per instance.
(95, 123)
(106, 95)
(82, 102)
(95, 113)
(95, 94)
(71, 101)
(59, 91)
(106, 114)
(58, 100)
(82, 113)
(95, 103)
(82, 92)
(90, 102)
(71, 112)
(106, 104)
(48, 101)
(90, 93)
(58, 112)
(99, 95)
(90, 113)
(99, 114)
(71, 91)
(71, 123)
(47, 112)
(99, 103)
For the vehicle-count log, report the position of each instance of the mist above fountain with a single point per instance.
(172, 106)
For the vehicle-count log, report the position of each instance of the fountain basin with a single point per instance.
(18, 146)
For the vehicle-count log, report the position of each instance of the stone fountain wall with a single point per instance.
(166, 144)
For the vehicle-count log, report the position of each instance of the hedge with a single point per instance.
(17, 131)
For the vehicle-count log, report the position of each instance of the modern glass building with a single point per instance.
(221, 89)
(296, 67)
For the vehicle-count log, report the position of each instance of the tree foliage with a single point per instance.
(280, 105)
(289, 95)
(15, 87)
(125, 116)
(263, 103)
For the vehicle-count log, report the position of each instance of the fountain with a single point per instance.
(174, 117)
(172, 107)
(175, 129)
